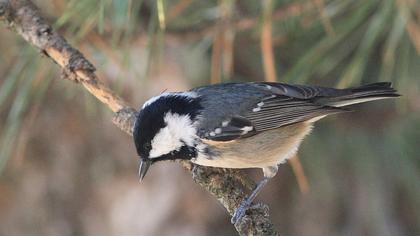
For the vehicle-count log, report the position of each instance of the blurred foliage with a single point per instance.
(327, 42)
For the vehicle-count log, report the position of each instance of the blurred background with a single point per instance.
(65, 169)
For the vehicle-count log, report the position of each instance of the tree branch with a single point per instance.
(228, 186)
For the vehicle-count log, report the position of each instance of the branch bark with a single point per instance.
(228, 186)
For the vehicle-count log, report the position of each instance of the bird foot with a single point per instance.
(246, 203)
(240, 212)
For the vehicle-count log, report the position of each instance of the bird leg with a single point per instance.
(246, 203)
(269, 172)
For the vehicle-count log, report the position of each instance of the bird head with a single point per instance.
(165, 130)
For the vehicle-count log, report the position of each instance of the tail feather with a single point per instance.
(361, 94)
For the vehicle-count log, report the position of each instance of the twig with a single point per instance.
(267, 51)
(180, 6)
(325, 20)
(227, 10)
(25, 19)
(267, 42)
(413, 30)
(215, 71)
(412, 26)
(300, 174)
(222, 51)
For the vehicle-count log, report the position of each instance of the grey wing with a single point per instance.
(279, 110)
(222, 119)
(302, 91)
(249, 108)
(232, 128)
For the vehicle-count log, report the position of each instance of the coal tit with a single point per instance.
(239, 125)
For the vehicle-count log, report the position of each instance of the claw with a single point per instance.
(239, 213)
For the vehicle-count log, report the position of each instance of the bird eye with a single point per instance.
(147, 146)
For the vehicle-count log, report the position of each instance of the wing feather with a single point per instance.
(281, 112)
(231, 129)
(277, 105)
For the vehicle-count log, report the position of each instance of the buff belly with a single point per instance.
(269, 148)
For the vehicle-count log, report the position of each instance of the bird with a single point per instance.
(240, 125)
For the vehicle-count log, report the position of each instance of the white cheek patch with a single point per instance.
(178, 130)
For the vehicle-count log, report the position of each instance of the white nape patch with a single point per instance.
(166, 94)
(218, 131)
(178, 129)
(225, 123)
(153, 99)
(246, 129)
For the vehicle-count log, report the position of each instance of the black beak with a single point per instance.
(144, 166)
